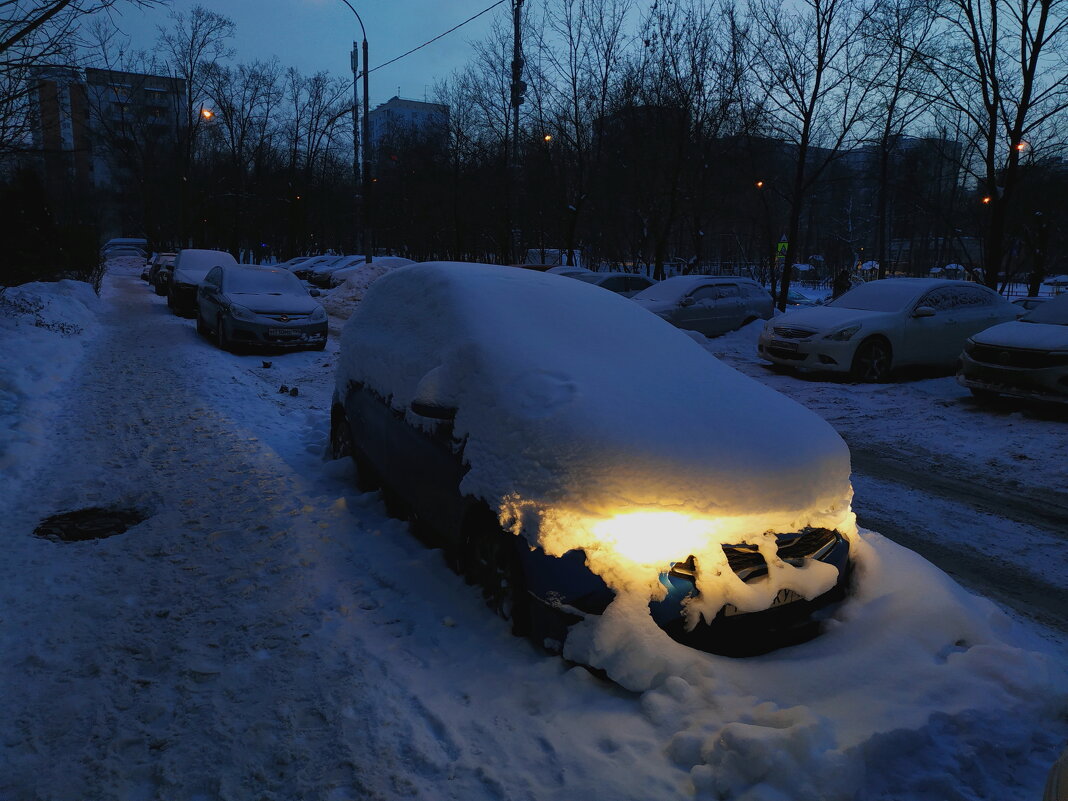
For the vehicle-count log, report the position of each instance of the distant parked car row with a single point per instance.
(881, 326)
(239, 305)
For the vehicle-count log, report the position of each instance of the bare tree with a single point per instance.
(813, 83)
(1003, 66)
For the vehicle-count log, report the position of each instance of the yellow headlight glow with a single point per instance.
(654, 538)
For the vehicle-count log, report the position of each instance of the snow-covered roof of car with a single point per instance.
(577, 404)
(200, 261)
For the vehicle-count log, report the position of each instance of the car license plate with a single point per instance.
(281, 332)
(784, 597)
(782, 344)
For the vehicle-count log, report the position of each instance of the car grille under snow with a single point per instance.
(792, 333)
(748, 562)
(1013, 357)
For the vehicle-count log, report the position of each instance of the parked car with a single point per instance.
(626, 284)
(1025, 305)
(338, 277)
(320, 275)
(305, 270)
(497, 408)
(1025, 358)
(190, 267)
(293, 263)
(568, 270)
(242, 304)
(124, 246)
(710, 305)
(795, 298)
(881, 325)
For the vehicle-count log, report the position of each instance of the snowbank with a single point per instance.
(343, 300)
(43, 330)
(641, 451)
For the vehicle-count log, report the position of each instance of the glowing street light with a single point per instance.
(1022, 146)
(759, 184)
(207, 113)
(547, 138)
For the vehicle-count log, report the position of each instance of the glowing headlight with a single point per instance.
(654, 538)
(241, 313)
(843, 334)
(318, 315)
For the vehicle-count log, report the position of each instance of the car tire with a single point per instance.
(491, 560)
(873, 361)
(159, 290)
(202, 327)
(221, 340)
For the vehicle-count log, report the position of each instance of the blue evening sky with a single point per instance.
(314, 35)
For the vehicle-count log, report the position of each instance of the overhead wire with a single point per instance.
(431, 41)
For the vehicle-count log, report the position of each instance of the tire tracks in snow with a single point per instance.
(978, 534)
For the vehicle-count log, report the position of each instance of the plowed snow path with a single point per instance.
(266, 632)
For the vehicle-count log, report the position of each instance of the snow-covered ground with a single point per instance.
(268, 632)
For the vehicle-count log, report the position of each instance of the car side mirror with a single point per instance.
(433, 410)
(923, 311)
(314, 293)
(687, 301)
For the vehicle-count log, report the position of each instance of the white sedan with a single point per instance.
(882, 325)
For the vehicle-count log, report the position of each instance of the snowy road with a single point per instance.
(267, 632)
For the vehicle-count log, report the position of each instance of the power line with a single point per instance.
(431, 41)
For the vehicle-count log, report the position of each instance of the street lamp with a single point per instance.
(365, 135)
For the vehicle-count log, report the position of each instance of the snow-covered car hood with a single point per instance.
(274, 304)
(637, 454)
(825, 319)
(1036, 336)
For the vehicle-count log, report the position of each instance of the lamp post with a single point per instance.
(365, 136)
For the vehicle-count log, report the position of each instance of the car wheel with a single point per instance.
(159, 289)
(221, 339)
(491, 561)
(202, 327)
(873, 361)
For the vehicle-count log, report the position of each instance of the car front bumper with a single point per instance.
(813, 353)
(277, 334)
(1037, 383)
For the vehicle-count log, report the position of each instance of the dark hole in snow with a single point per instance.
(94, 523)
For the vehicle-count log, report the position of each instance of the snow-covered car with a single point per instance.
(320, 276)
(304, 271)
(881, 325)
(293, 263)
(709, 305)
(190, 267)
(246, 305)
(569, 270)
(338, 277)
(560, 471)
(795, 298)
(1025, 305)
(1026, 358)
(625, 284)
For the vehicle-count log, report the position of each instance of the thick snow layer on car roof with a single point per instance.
(582, 412)
(194, 264)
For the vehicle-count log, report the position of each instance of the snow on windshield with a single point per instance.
(887, 295)
(259, 281)
(639, 455)
(1052, 312)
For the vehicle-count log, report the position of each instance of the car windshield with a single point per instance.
(1052, 312)
(262, 282)
(882, 296)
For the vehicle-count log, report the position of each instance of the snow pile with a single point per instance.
(43, 328)
(343, 300)
(918, 690)
(640, 453)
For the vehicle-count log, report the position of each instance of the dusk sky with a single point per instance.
(314, 35)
